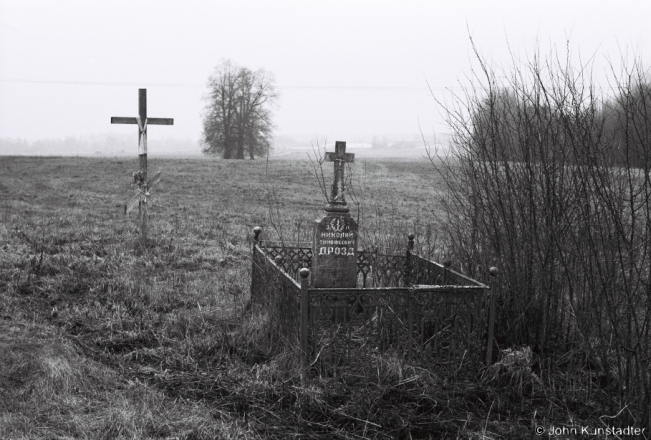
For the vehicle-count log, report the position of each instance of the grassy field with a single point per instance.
(102, 337)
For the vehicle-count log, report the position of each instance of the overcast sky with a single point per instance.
(358, 67)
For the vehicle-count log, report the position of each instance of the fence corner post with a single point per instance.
(491, 314)
(410, 243)
(256, 234)
(304, 273)
(446, 265)
(254, 269)
(409, 263)
(410, 323)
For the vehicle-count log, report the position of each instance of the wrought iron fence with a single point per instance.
(418, 309)
(373, 269)
(276, 294)
(442, 327)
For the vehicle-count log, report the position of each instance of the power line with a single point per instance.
(289, 87)
(95, 83)
(379, 88)
(192, 85)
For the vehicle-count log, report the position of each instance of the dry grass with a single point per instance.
(50, 390)
(102, 337)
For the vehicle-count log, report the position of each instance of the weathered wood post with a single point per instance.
(142, 155)
(140, 177)
(304, 304)
(491, 314)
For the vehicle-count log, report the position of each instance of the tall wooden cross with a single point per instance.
(140, 177)
(340, 158)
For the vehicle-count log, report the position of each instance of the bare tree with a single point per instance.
(238, 116)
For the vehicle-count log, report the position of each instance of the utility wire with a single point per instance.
(190, 85)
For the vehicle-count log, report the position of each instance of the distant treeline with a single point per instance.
(536, 124)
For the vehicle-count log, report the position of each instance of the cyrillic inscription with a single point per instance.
(335, 251)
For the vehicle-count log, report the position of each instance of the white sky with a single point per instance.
(341, 67)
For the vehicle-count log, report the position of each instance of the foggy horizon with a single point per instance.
(343, 71)
(295, 146)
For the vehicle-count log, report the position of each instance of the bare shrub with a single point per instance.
(550, 182)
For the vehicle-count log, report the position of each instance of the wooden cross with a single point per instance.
(340, 158)
(140, 177)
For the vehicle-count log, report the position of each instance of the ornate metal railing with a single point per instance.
(418, 309)
(423, 271)
(442, 327)
(373, 269)
(276, 295)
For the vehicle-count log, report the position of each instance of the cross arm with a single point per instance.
(347, 157)
(150, 121)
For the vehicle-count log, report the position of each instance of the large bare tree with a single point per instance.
(238, 118)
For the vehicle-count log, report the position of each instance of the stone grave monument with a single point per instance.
(334, 250)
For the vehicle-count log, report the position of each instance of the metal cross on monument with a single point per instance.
(334, 247)
(140, 177)
(340, 158)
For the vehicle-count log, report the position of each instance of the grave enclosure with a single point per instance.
(343, 306)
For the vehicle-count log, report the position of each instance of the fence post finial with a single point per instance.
(256, 234)
(410, 243)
